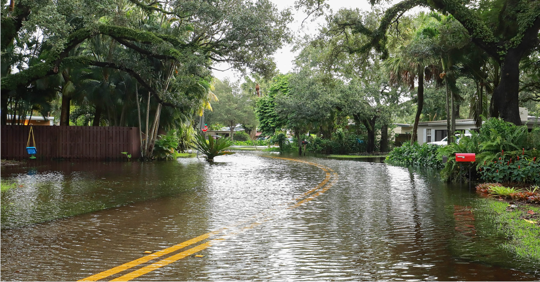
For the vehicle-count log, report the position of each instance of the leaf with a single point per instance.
(530, 221)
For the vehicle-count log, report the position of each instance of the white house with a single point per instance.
(430, 131)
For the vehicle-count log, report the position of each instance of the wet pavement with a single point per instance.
(370, 221)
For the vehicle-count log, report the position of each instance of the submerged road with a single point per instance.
(162, 258)
(249, 216)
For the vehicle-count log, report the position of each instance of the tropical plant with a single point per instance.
(166, 146)
(212, 148)
(412, 154)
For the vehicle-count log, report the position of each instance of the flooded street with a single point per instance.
(256, 217)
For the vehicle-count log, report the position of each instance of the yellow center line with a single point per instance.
(203, 246)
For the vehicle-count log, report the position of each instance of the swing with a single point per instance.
(31, 150)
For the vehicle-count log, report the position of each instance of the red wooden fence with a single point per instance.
(71, 142)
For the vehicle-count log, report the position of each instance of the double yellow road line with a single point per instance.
(330, 179)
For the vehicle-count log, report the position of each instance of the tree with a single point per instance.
(265, 110)
(233, 107)
(193, 34)
(506, 30)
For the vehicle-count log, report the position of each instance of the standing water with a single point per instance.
(363, 221)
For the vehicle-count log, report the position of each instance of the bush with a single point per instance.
(425, 155)
(241, 136)
(165, 147)
(510, 168)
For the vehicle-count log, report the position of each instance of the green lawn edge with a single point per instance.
(524, 240)
(356, 157)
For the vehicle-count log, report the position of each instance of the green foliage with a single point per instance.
(269, 121)
(512, 168)
(241, 136)
(504, 153)
(166, 146)
(454, 170)
(6, 185)
(212, 148)
(425, 155)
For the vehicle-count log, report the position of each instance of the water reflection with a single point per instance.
(378, 222)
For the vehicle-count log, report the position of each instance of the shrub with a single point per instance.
(425, 155)
(166, 145)
(511, 168)
(241, 136)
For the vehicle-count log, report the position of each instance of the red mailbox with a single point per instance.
(465, 157)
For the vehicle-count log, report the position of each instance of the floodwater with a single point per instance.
(364, 221)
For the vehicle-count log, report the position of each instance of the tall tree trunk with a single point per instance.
(451, 133)
(414, 136)
(97, 116)
(506, 95)
(370, 126)
(297, 133)
(139, 115)
(383, 147)
(232, 125)
(4, 107)
(64, 113)
(448, 113)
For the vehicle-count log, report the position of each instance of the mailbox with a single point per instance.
(465, 157)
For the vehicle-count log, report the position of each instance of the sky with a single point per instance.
(284, 57)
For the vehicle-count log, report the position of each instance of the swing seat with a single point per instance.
(31, 150)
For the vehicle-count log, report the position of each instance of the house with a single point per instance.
(430, 131)
(225, 131)
(34, 120)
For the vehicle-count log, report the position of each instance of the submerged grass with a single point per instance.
(521, 224)
(356, 156)
(185, 155)
(7, 185)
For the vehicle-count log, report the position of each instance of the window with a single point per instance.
(428, 135)
(440, 134)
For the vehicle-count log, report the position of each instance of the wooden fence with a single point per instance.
(71, 142)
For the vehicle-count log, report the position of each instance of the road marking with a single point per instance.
(188, 252)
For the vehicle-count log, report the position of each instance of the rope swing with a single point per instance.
(31, 150)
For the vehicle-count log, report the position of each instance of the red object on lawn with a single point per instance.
(465, 157)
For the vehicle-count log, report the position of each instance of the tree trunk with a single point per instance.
(64, 114)
(297, 133)
(414, 136)
(448, 113)
(370, 126)
(384, 138)
(506, 96)
(97, 116)
(4, 107)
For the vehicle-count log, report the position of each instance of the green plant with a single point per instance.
(503, 191)
(166, 145)
(408, 154)
(511, 168)
(454, 170)
(212, 148)
(241, 136)
(128, 156)
(6, 185)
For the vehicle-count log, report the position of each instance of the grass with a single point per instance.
(245, 148)
(185, 155)
(522, 225)
(6, 185)
(356, 156)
